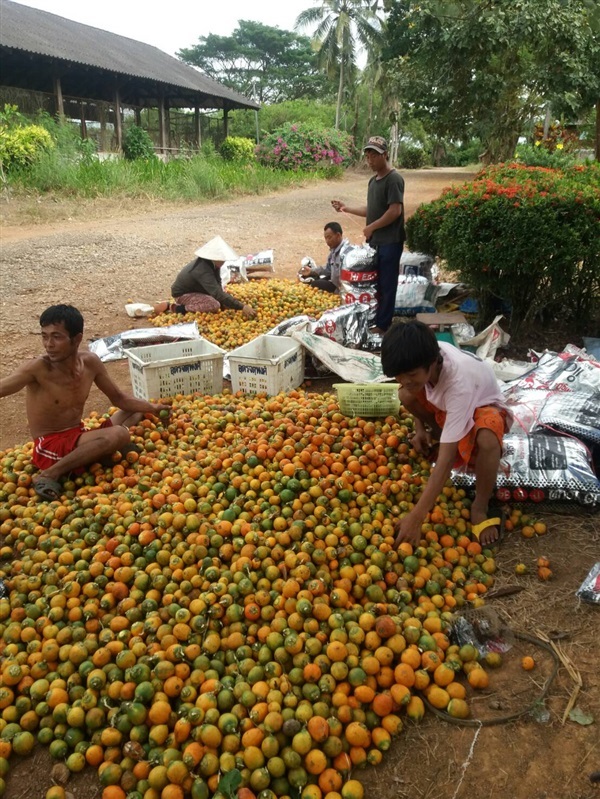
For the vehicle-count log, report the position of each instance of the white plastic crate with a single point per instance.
(185, 367)
(268, 364)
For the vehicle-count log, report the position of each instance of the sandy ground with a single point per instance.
(100, 255)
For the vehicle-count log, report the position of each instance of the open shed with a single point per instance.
(51, 63)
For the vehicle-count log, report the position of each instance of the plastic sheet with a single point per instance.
(354, 366)
(111, 348)
(589, 590)
(348, 325)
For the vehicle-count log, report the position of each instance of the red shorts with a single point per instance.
(51, 448)
(488, 417)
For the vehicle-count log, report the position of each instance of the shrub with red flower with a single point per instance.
(527, 235)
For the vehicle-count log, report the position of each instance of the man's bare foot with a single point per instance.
(377, 331)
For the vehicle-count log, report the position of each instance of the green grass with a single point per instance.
(65, 173)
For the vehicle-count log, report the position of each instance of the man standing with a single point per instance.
(384, 230)
(328, 278)
(58, 384)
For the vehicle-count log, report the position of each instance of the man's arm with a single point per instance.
(359, 210)
(409, 527)
(119, 398)
(24, 376)
(393, 212)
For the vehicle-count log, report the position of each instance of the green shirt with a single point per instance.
(380, 195)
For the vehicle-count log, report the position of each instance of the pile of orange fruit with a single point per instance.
(229, 605)
(275, 300)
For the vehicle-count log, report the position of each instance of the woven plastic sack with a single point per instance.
(358, 278)
(557, 465)
(576, 412)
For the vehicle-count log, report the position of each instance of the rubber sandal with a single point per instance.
(48, 489)
(493, 521)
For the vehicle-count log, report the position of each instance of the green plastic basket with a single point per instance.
(368, 399)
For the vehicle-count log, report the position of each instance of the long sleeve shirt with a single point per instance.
(331, 270)
(202, 277)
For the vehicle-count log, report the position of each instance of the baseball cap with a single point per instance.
(377, 143)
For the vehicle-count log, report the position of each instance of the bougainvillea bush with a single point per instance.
(526, 235)
(304, 146)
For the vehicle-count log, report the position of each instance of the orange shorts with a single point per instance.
(53, 447)
(488, 417)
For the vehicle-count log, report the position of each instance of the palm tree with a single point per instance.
(341, 25)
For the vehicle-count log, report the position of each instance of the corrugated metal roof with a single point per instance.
(35, 31)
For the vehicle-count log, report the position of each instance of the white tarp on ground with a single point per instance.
(354, 366)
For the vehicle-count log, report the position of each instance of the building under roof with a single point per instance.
(102, 72)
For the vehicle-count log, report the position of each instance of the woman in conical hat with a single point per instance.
(197, 288)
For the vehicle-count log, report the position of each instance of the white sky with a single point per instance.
(181, 22)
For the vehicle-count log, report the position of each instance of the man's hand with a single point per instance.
(408, 529)
(368, 232)
(248, 312)
(422, 441)
(338, 205)
(161, 409)
(304, 271)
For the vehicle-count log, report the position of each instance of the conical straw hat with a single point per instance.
(217, 250)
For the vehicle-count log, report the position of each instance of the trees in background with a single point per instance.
(487, 68)
(260, 61)
(342, 26)
(439, 74)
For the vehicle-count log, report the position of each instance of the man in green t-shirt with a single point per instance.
(384, 230)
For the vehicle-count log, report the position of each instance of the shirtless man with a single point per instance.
(58, 385)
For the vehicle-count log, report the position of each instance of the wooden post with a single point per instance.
(161, 123)
(137, 115)
(118, 125)
(225, 122)
(168, 126)
(102, 113)
(82, 117)
(60, 106)
(197, 131)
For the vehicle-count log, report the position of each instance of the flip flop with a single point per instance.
(494, 521)
(48, 489)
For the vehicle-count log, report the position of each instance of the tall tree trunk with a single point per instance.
(598, 131)
(370, 117)
(338, 108)
(547, 121)
(355, 124)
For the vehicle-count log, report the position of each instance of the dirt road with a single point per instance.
(98, 255)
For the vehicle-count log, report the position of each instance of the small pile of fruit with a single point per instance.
(274, 301)
(227, 610)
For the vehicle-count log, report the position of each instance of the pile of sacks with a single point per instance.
(554, 439)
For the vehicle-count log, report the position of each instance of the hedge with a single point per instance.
(526, 235)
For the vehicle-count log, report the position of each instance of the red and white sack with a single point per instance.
(358, 278)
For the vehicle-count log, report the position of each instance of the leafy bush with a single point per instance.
(271, 117)
(464, 154)
(237, 148)
(20, 143)
(523, 234)
(137, 144)
(302, 146)
(537, 155)
(410, 157)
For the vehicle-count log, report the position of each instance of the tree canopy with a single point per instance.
(486, 68)
(270, 63)
(342, 26)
